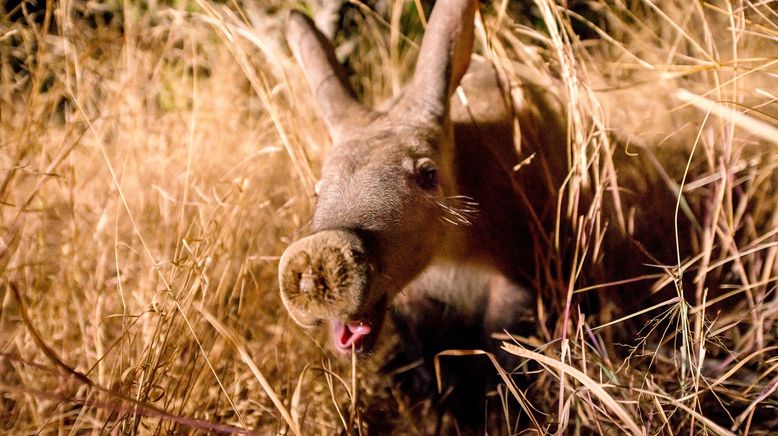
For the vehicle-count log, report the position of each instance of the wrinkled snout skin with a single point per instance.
(325, 276)
(331, 275)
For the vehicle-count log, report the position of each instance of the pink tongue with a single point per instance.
(349, 334)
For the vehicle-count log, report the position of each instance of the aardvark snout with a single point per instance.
(325, 276)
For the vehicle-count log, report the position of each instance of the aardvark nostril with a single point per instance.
(324, 276)
(308, 281)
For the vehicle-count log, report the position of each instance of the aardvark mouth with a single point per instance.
(350, 335)
(358, 336)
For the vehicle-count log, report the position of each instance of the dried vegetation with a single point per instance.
(156, 159)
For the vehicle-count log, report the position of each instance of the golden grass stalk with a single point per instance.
(626, 420)
(238, 343)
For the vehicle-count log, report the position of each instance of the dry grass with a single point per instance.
(153, 171)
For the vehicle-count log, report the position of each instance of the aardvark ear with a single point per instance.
(316, 57)
(444, 55)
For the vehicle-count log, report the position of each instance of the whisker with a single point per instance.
(457, 209)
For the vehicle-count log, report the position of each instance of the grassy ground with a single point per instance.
(155, 160)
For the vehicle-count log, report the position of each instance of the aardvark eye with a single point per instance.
(428, 176)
